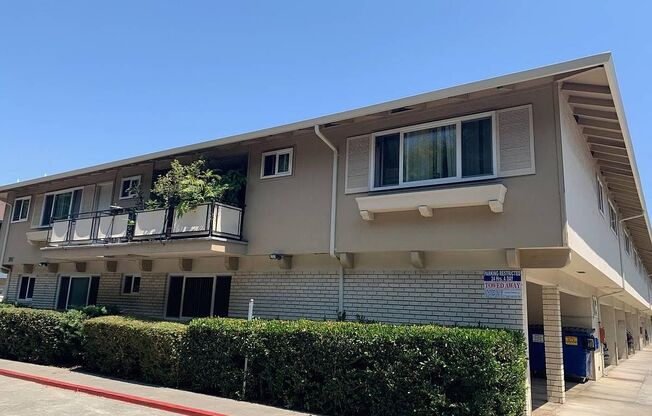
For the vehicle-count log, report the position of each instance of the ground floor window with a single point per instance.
(26, 291)
(198, 296)
(77, 291)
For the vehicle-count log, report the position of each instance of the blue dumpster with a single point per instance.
(537, 350)
(578, 347)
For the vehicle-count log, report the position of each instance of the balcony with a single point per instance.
(208, 229)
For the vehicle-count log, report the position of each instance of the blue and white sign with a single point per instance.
(502, 284)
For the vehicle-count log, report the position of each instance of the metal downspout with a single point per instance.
(331, 247)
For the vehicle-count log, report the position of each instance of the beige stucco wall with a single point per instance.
(20, 251)
(291, 214)
(588, 231)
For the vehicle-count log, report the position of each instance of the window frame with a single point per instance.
(458, 178)
(628, 242)
(131, 179)
(55, 193)
(180, 317)
(131, 288)
(88, 290)
(13, 211)
(30, 279)
(601, 195)
(613, 218)
(286, 150)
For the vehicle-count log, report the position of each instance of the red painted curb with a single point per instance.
(142, 401)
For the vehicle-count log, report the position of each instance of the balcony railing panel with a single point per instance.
(150, 223)
(59, 231)
(194, 221)
(227, 220)
(123, 225)
(82, 229)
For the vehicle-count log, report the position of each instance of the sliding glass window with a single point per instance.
(443, 152)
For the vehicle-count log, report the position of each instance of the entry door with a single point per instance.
(103, 196)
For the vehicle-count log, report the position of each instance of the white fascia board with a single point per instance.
(523, 76)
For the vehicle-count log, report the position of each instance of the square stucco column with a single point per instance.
(556, 387)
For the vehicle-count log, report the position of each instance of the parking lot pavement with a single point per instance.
(18, 398)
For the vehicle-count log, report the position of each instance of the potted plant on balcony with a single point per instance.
(184, 188)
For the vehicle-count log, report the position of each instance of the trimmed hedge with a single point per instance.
(354, 369)
(336, 368)
(134, 349)
(40, 336)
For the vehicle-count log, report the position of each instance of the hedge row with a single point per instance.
(40, 336)
(133, 349)
(335, 368)
(323, 367)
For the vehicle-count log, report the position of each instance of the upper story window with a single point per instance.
(60, 205)
(129, 187)
(613, 219)
(21, 209)
(276, 163)
(600, 191)
(452, 150)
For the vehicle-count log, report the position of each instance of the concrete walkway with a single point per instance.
(626, 390)
(178, 397)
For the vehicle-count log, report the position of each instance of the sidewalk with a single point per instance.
(223, 406)
(626, 390)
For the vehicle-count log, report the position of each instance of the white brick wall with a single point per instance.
(405, 296)
(150, 301)
(285, 295)
(443, 297)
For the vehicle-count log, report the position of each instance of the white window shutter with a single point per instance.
(37, 210)
(515, 141)
(357, 164)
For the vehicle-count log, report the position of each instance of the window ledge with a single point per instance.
(426, 201)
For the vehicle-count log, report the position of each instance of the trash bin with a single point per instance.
(537, 350)
(578, 347)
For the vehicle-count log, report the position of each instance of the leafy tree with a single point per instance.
(185, 187)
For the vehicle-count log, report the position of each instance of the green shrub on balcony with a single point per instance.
(40, 336)
(134, 349)
(185, 187)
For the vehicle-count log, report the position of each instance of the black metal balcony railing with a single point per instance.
(124, 225)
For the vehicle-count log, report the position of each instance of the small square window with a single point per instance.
(21, 209)
(26, 290)
(131, 284)
(129, 187)
(276, 163)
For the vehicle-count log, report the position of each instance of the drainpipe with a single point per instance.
(331, 248)
(333, 190)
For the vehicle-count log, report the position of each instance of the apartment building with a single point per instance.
(504, 203)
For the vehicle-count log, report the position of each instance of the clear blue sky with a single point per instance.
(85, 82)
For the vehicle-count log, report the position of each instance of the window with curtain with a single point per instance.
(61, 205)
(457, 149)
(429, 154)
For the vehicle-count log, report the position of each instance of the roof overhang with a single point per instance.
(594, 98)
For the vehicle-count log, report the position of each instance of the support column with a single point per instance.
(608, 316)
(556, 387)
